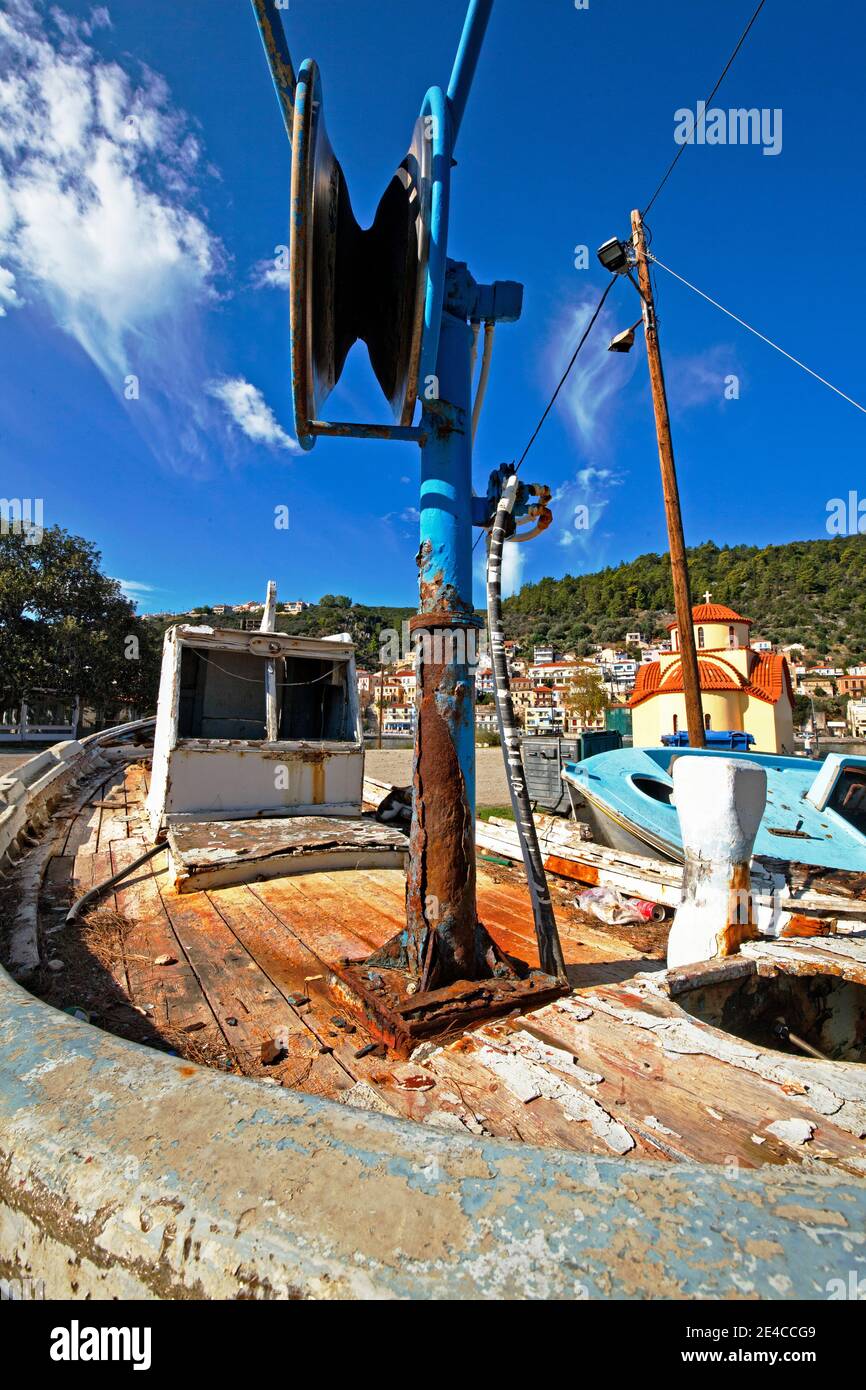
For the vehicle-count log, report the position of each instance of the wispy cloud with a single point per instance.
(251, 413)
(133, 588)
(97, 188)
(702, 378)
(587, 398)
(272, 274)
(102, 222)
(513, 565)
(578, 506)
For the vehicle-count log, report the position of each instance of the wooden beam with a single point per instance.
(670, 489)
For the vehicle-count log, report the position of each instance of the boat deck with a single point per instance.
(218, 976)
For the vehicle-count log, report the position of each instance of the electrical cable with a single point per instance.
(562, 380)
(253, 680)
(762, 336)
(724, 72)
(549, 947)
(93, 893)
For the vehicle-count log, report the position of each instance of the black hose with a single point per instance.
(93, 893)
(549, 947)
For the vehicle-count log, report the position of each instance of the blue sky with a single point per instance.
(144, 179)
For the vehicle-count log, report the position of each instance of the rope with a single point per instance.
(252, 680)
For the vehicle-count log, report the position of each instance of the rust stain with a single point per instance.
(809, 926)
(731, 937)
(318, 770)
(443, 832)
(566, 868)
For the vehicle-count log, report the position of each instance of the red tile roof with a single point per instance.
(713, 675)
(714, 613)
(768, 678)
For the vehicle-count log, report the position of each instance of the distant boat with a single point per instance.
(815, 815)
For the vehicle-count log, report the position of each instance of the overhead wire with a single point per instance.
(724, 72)
(757, 333)
(562, 380)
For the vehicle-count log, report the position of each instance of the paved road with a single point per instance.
(9, 761)
(395, 765)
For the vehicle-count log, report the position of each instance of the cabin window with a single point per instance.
(222, 696)
(700, 636)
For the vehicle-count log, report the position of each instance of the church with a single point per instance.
(741, 689)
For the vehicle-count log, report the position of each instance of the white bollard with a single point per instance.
(720, 802)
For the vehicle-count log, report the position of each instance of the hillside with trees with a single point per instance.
(812, 592)
(65, 625)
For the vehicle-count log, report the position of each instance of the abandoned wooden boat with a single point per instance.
(815, 813)
(235, 974)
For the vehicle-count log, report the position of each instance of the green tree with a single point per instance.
(65, 626)
(585, 696)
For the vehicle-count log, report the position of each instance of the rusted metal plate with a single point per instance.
(382, 998)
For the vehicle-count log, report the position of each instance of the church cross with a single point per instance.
(707, 596)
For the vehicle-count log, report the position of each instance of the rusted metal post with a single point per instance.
(440, 891)
(670, 489)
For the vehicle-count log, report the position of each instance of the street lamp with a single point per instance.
(624, 341)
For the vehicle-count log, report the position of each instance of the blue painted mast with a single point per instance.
(443, 942)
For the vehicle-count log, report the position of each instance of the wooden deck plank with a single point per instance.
(344, 929)
(697, 1097)
(238, 989)
(172, 992)
(295, 968)
(242, 951)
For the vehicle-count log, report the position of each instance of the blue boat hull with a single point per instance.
(812, 814)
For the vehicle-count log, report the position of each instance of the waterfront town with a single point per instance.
(772, 693)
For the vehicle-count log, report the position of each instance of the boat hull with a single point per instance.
(626, 797)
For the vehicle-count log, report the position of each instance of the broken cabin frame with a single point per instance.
(212, 759)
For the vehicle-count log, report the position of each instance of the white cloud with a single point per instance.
(98, 197)
(9, 297)
(133, 587)
(579, 504)
(700, 379)
(250, 411)
(274, 274)
(513, 564)
(597, 376)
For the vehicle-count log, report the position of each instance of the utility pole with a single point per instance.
(671, 492)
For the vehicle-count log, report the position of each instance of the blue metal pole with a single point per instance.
(466, 61)
(441, 941)
(279, 58)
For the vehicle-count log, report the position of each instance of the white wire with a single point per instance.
(764, 339)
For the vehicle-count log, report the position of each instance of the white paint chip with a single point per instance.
(792, 1131)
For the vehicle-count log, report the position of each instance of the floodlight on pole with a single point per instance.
(614, 256)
